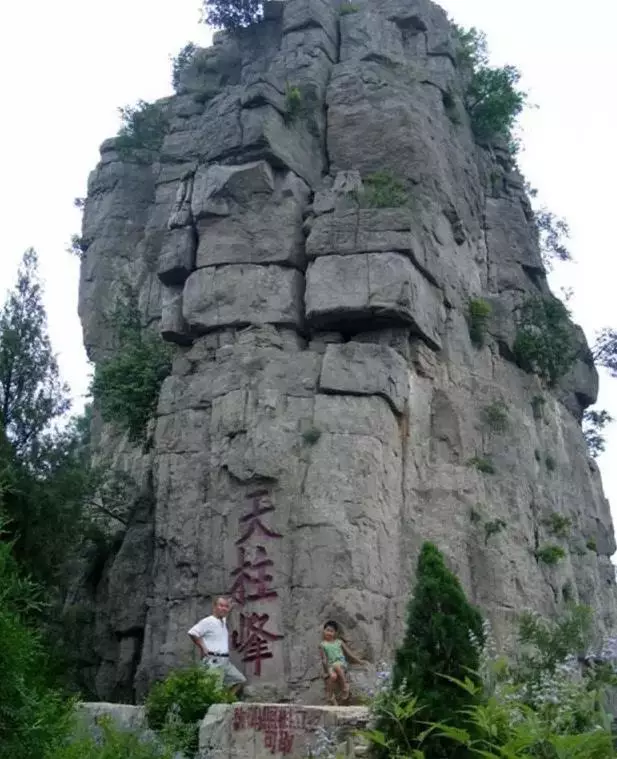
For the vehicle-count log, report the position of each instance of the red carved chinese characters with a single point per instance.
(251, 581)
(277, 723)
(254, 640)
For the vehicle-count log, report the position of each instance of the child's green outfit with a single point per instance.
(334, 654)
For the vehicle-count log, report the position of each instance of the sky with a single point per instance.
(66, 67)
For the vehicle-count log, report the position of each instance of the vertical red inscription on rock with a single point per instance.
(251, 581)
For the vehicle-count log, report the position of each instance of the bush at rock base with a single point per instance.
(540, 704)
(175, 705)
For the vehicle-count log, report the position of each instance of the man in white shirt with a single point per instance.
(211, 637)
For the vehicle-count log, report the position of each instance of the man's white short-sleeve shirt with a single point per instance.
(214, 634)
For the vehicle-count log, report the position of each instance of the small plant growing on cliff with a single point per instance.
(383, 190)
(538, 404)
(143, 129)
(492, 98)
(126, 385)
(544, 342)
(558, 525)
(496, 416)
(347, 9)
(553, 233)
(550, 462)
(494, 527)
(181, 62)
(592, 545)
(550, 554)
(594, 423)
(77, 247)
(478, 315)
(605, 350)
(183, 698)
(440, 646)
(482, 464)
(232, 14)
(293, 103)
(311, 435)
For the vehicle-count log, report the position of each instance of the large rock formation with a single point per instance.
(326, 404)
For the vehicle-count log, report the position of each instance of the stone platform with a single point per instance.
(259, 731)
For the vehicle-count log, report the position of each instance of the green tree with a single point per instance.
(492, 98)
(126, 385)
(442, 641)
(594, 423)
(545, 341)
(34, 716)
(605, 350)
(43, 463)
(31, 393)
(232, 14)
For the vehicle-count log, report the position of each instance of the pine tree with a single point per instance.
(437, 645)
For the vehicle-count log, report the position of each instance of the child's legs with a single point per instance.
(338, 670)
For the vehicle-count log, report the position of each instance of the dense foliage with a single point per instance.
(540, 704)
(438, 645)
(232, 14)
(594, 423)
(43, 463)
(478, 315)
(493, 98)
(126, 385)
(181, 62)
(545, 341)
(33, 714)
(144, 127)
(176, 705)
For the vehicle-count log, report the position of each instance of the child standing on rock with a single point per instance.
(335, 654)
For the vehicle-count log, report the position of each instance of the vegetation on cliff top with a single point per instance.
(232, 14)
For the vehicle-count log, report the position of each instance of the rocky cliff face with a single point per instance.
(326, 400)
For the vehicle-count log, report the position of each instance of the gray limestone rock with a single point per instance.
(366, 369)
(325, 419)
(381, 288)
(234, 296)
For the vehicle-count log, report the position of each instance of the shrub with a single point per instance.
(177, 704)
(592, 545)
(550, 554)
(311, 436)
(594, 423)
(143, 129)
(348, 8)
(493, 528)
(558, 525)
(383, 190)
(34, 717)
(181, 62)
(110, 742)
(438, 646)
(492, 97)
(478, 316)
(126, 385)
(293, 103)
(544, 341)
(553, 233)
(484, 465)
(79, 203)
(496, 416)
(550, 462)
(605, 350)
(538, 404)
(78, 247)
(232, 14)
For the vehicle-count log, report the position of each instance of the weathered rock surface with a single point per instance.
(326, 404)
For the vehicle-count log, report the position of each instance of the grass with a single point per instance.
(558, 525)
(484, 465)
(496, 416)
(383, 190)
(550, 554)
